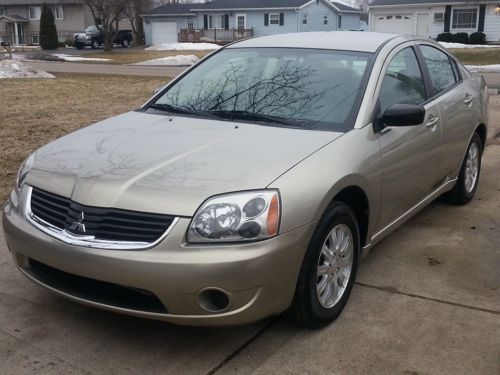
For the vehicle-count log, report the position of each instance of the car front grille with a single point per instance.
(101, 224)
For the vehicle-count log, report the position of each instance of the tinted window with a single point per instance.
(317, 89)
(439, 67)
(403, 82)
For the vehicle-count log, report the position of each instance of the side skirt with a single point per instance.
(384, 232)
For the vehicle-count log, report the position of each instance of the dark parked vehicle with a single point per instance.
(94, 38)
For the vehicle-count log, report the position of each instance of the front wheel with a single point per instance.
(125, 43)
(329, 268)
(79, 45)
(468, 178)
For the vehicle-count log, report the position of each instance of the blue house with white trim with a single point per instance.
(229, 20)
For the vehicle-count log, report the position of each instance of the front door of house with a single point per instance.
(17, 33)
(241, 21)
(423, 24)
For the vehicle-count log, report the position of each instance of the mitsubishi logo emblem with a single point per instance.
(77, 226)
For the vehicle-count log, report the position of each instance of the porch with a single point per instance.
(13, 30)
(214, 35)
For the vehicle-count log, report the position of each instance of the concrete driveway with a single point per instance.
(427, 301)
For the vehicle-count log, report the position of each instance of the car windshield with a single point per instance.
(307, 88)
(92, 29)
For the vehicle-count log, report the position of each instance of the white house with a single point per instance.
(432, 17)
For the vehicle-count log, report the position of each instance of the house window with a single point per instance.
(325, 20)
(2, 11)
(35, 39)
(190, 25)
(438, 17)
(217, 21)
(464, 18)
(274, 19)
(304, 19)
(58, 12)
(34, 13)
(340, 22)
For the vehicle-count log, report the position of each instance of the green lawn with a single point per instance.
(478, 56)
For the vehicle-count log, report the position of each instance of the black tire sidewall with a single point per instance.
(315, 315)
(467, 196)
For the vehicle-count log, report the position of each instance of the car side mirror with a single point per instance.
(403, 115)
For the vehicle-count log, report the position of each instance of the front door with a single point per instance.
(411, 155)
(241, 21)
(17, 33)
(423, 24)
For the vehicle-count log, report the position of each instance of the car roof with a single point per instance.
(339, 40)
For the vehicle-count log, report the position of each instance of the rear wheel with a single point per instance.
(468, 178)
(329, 268)
(95, 44)
(125, 43)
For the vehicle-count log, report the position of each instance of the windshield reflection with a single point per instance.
(306, 87)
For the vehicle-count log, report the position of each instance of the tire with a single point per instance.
(79, 45)
(125, 43)
(465, 189)
(310, 307)
(95, 44)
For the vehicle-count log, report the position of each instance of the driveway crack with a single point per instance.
(393, 290)
(242, 347)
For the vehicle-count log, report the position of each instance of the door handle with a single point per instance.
(468, 99)
(432, 122)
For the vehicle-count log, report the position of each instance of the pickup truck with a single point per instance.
(93, 37)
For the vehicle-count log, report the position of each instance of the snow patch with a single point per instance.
(484, 68)
(460, 45)
(180, 60)
(77, 58)
(17, 69)
(183, 47)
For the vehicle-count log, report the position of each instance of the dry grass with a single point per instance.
(34, 112)
(478, 56)
(133, 56)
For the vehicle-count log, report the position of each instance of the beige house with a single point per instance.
(20, 19)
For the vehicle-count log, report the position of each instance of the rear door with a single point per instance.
(411, 156)
(458, 105)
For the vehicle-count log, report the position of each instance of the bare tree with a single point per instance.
(107, 15)
(134, 13)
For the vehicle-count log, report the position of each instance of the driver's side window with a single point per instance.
(403, 82)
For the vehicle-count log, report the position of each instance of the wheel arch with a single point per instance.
(356, 198)
(481, 130)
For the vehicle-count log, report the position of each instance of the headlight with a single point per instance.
(23, 171)
(237, 217)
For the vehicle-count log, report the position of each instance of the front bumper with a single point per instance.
(259, 278)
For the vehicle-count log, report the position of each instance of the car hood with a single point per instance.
(168, 164)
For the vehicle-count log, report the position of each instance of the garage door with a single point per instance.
(164, 32)
(394, 23)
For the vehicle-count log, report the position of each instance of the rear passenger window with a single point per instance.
(440, 68)
(403, 82)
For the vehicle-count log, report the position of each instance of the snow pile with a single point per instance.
(17, 69)
(460, 45)
(484, 68)
(183, 47)
(180, 60)
(65, 57)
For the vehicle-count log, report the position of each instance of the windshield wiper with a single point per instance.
(252, 116)
(172, 109)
